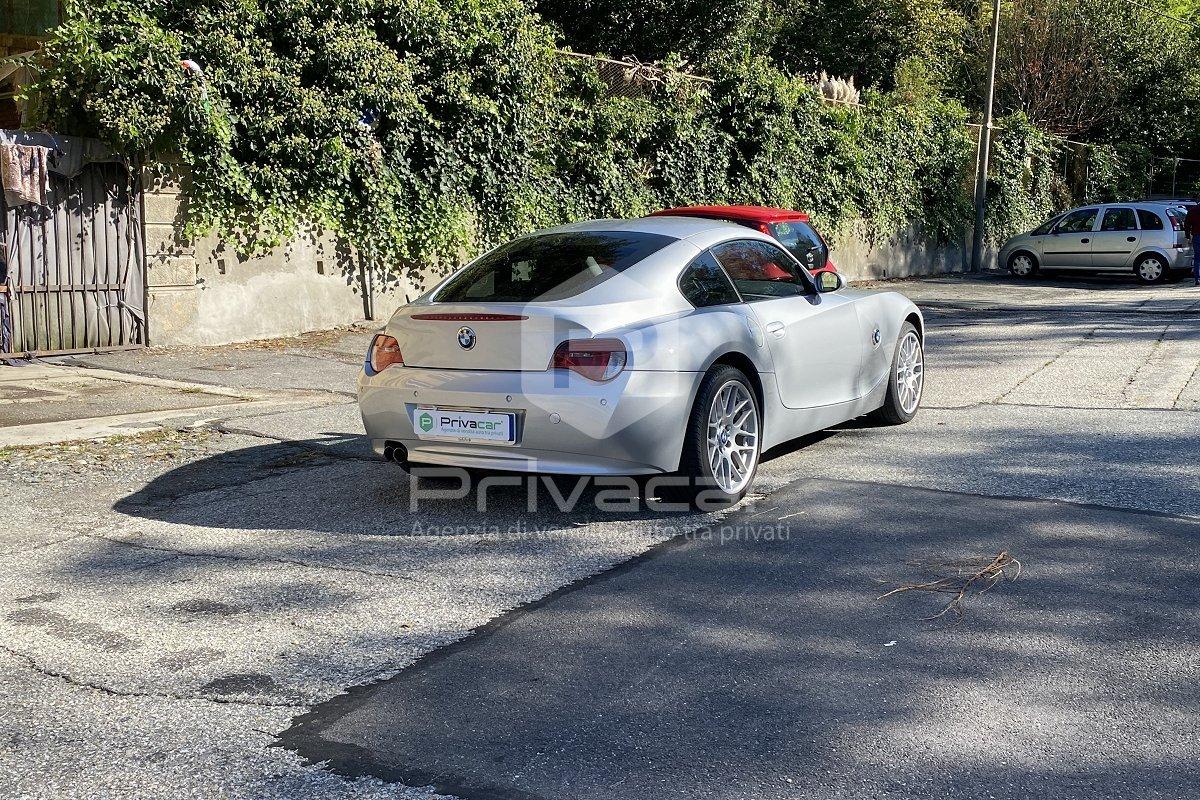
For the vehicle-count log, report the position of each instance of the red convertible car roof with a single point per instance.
(737, 213)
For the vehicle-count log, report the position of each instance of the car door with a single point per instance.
(815, 339)
(1114, 244)
(1069, 244)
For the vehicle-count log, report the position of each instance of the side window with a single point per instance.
(1044, 228)
(1150, 220)
(1119, 219)
(802, 241)
(1081, 221)
(761, 270)
(704, 283)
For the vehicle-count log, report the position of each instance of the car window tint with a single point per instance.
(1044, 228)
(1150, 220)
(799, 238)
(549, 267)
(704, 283)
(1078, 221)
(1118, 219)
(761, 270)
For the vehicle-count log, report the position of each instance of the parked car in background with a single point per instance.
(793, 229)
(636, 347)
(1145, 238)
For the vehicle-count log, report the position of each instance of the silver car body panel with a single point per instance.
(818, 361)
(1098, 250)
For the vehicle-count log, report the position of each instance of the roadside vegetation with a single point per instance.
(425, 130)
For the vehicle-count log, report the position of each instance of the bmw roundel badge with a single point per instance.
(466, 338)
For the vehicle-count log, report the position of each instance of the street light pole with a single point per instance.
(985, 144)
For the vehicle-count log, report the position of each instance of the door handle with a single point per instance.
(1084, 241)
(776, 329)
(1131, 238)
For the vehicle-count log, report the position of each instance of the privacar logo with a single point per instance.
(425, 421)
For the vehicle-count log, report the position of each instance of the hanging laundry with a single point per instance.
(24, 171)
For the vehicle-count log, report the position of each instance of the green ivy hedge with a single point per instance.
(423, 131)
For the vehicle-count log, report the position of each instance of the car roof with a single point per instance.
(682, 227)
(1120, 204)
(740, 213)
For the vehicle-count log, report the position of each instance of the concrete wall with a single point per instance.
(901, 256)
(202, 292)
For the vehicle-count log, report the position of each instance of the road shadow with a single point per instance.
(316, 485)
(766, 666)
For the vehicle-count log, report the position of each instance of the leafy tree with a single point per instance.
(410, 126)
(872, 40)
(652, 30)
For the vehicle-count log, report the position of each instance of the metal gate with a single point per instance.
(76, 266)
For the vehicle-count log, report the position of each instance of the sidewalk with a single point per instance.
(124, 393)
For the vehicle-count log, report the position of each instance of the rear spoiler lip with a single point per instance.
(469, 317)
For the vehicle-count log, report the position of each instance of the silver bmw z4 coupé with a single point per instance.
(659, 346)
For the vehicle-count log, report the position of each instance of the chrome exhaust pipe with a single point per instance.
(396, 453)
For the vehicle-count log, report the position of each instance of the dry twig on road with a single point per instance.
(973, 575)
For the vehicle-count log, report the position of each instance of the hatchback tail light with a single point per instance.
(385, 351)
(594, 359)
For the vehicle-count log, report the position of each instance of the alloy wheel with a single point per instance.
(1021, 266)
(910, 373)
(732, 437)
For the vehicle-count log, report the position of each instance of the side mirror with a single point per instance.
(829, 281)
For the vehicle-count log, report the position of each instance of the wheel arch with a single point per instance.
(1023, 251)
(1151, 251)
(917, 323)
(745, 365)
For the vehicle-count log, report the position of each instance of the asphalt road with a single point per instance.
(170, 603)
(755, 659)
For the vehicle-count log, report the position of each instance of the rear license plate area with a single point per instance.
(448, 424)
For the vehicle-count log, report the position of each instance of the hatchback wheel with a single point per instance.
(721, 447)
(1151, 269)
(1022, 265)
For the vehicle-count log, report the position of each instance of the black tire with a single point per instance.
(1144, 272)
(703, 489)
(893, 410)
(1017, 261)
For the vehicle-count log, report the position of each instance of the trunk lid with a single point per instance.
(487, 336)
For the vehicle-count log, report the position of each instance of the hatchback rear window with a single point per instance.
(550, 267)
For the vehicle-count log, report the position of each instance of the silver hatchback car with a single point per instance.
(1145, 238)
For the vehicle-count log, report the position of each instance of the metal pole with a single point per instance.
(985, 143)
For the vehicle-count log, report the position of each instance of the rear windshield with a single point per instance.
(552, 266)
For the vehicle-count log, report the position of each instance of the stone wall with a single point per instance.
(203, 292)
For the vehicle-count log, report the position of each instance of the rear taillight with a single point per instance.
(385, 351)
(594, 359)
(1176, 222)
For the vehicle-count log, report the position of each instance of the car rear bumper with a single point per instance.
(565, 423)
(1180, 258)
